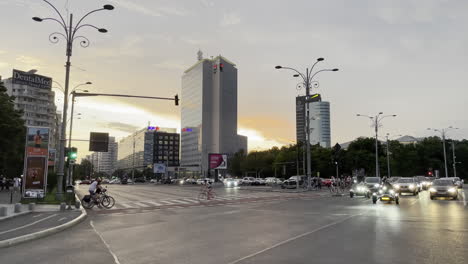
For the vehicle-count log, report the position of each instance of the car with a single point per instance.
(272, 181)
(85, 182)
(458, 182)
(359, 189)
(420, 180)
(248, 181)
(259, 181)
(427, 182)
(393, 179)
(230, 182)
(407, 185)
(326, 182)
(202, 180)
(105, 181)
(190, 181)
(292, 182)
(443, 188)
(373, 183)
(386, 193)
(153, 180)
(141, 179)
(114, 181)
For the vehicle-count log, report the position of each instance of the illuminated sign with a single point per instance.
(187, 130)
(153, 128)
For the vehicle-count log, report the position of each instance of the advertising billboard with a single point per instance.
(37, 141)
(218, 161)
(36, 162)
(36, 177)
(34, 80)
(159, 168)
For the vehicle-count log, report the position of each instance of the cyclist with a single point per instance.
(208, 189)
(95, 189)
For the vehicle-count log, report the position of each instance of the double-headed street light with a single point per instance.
(68, 32)
(307, 81)
(443, 132)
(376, 122)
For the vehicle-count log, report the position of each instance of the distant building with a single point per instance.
(209, 112)
(320, 131)
(148, 146)
(34, 96)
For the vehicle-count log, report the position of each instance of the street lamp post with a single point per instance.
(388, 155)
(307, 81)
(69, 34)
(454, 159)
(443, 132)
(376, 122)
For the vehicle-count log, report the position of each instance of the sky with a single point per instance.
(403, 57)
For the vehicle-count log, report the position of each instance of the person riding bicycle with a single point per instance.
(95, 188)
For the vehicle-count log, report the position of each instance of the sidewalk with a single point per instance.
(28, 225)
(5, 196)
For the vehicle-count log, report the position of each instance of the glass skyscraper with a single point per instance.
(209, 113)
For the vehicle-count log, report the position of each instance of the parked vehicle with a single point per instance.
(326, 182)
(85, 182)
(291, 183)
(115, 181)
(259, 181)
(248, 181)
(272, 181)
(230, 182)
(202, 180)
(443, 188)
(141, 179)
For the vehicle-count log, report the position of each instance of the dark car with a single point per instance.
(443, 188)
(373, 183)
(141, 179)
(124, 181)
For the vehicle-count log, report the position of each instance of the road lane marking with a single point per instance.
(125, 205)
(464, 198)
(61, 219)
(167, 202)
(37, 215)
(153, 203)
(181, 201)
(116, 260)
(141, 204)
(30, 224)
(292, 239)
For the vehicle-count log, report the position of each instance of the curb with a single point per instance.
(14, 215)
(17, 240)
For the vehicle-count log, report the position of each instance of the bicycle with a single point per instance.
(102, 199)
(206, 194)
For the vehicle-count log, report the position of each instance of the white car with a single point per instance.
(230, 182)
(247, 180)
(114, 181)
(202, 180)
(272, 181)
(259, 181)
(457, 181)
(406, 185)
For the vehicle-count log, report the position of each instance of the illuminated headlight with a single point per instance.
(182, 182)
(360, 189)
(432, 190)
(384, 188)
(452, 190)
(380, 191)
(235, 183)
(376, 185)
(374, 194)
(411, 186)
(355, 181)
(397, 186)
(392, 192)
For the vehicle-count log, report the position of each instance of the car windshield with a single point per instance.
(373, 180)
(407, 180)
(442, 183)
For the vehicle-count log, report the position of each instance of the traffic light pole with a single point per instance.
(69, 179)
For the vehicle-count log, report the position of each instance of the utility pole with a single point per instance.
(443, 132)
(454, 159)
(133, 156)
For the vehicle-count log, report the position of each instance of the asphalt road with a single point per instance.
(291, 230)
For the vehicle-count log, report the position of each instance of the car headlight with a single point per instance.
(376, 185)
(360, 189)
(374, 194)
(235, 183)
(451, 190)
(355, 181)
(392, 192)
(380, 191)
(411, 186)
(384, 188)
(397, 186)
(432, 190)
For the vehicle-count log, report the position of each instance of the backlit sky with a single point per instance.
(404, 57)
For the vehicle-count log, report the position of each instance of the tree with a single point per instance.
(12, 136)
(83, 170)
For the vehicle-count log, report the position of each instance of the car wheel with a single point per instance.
(374, 200)
(397, 200)
(351, 195)
(455, 197)
(415, 193)
(368, 195)
(432, 197)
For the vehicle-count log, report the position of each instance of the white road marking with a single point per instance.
(61, 219)
(30, 224)
(125, 205)
(167, 202)
(190, 200)
(37, 215)
(181, 201)
(116, 260)
(464, 198)
(154, 203)
(292, 239)
(141, 204)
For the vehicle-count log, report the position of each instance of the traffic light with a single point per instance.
(73, 154)
(221, 66)
(176, 99)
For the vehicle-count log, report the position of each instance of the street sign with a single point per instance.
(99, 142)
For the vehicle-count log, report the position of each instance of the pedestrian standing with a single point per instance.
(16, 184)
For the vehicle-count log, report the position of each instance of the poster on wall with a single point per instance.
(36, 162)
(36, 177)
(218, 161)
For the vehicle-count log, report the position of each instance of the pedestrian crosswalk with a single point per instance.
(185, 201)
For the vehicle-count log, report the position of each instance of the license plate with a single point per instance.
(442, 192)
(385, 199)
